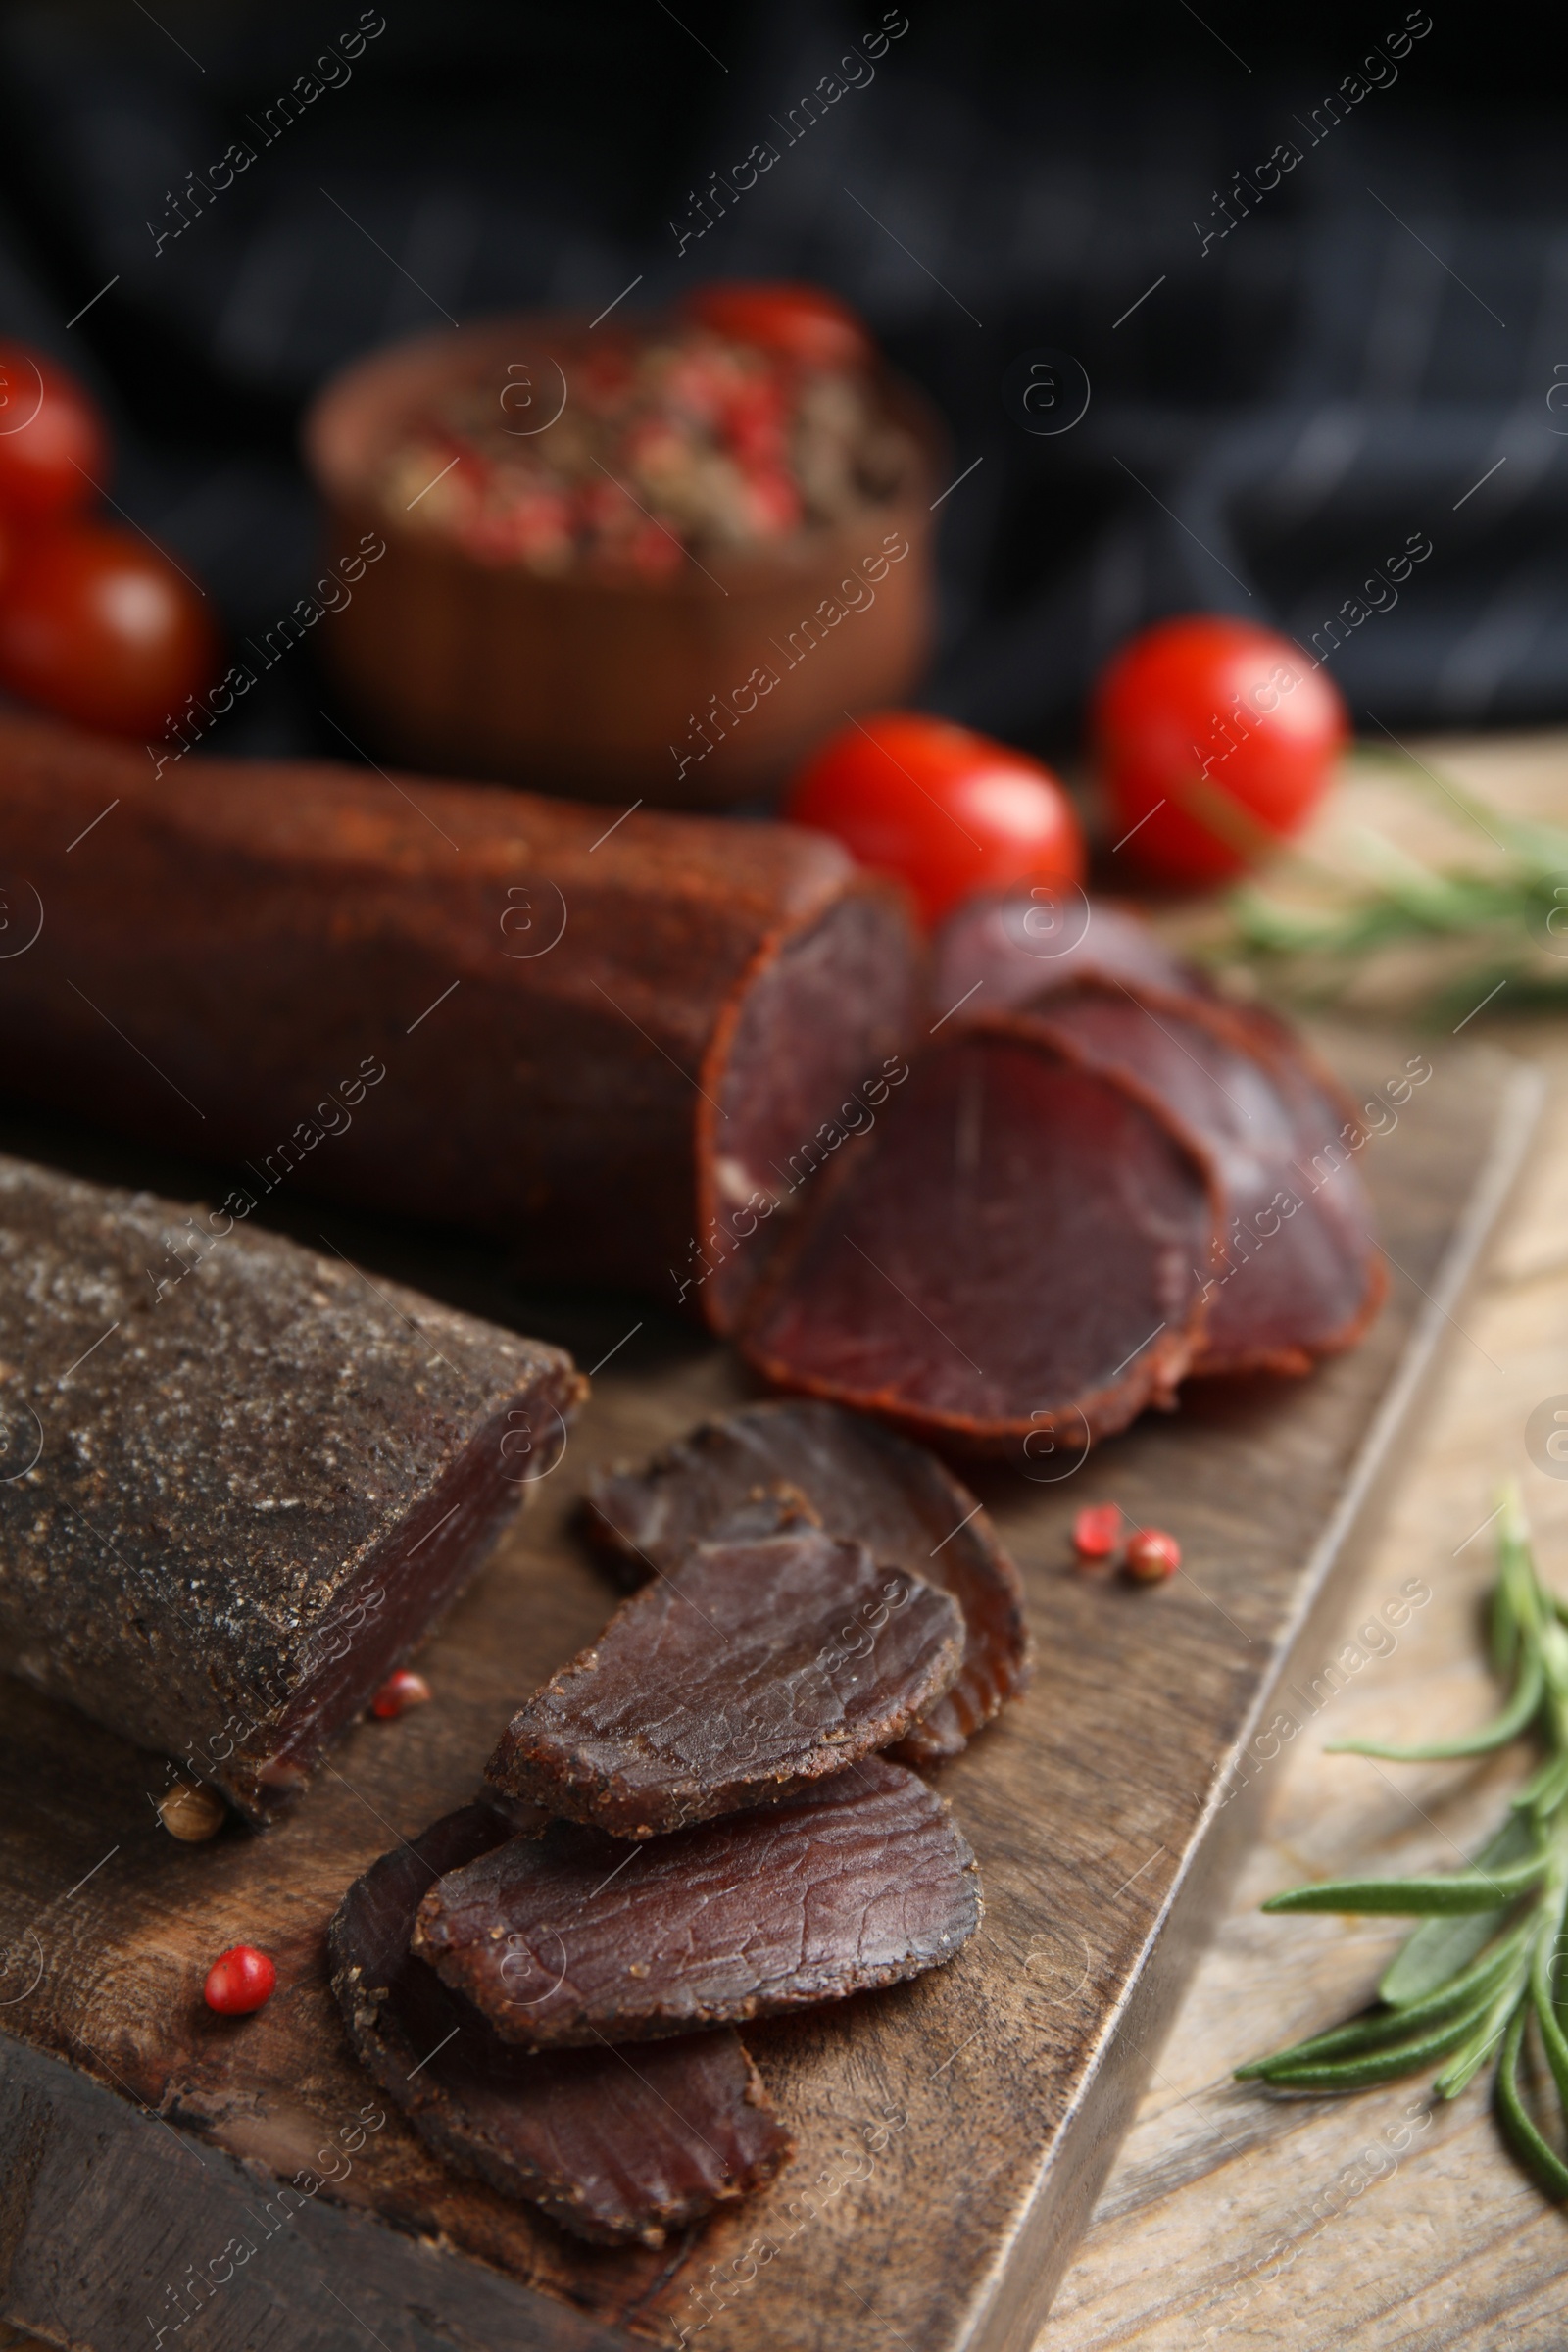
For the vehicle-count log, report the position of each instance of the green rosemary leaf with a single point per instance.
(1554, 1640)
(1376, 2029)
(1544, 1790)
(1545, 1963)
(1489, 1951)
(1502, 1630)
(1503, 910)
(1462, 1890)
(1379, 2066)
(1554, 2042)
(1487, 2032)
(1515, 1718)
(1441, 1947)
(1529, 2143)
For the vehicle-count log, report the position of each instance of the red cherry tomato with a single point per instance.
(946, 810)
(96, 624)
(54, 446)
(1217, 740)
(239, 1981)
(801, 322)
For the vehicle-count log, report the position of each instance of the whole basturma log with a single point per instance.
(573, 1937)
(616, 1046)
(735, 1678)
(1007, 1264)
(239, 1484)
(615, 2152)
(856, 1479)
(1295, 1273)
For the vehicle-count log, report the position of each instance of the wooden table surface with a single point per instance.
(1237, 2219)
(1240, 2220)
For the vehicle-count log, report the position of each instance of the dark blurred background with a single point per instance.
(1272, 414)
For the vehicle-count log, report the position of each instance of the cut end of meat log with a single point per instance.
(803, 1062)
(575, 1937)
(855, 1479)
(617, 2151)
(734, 1679)
(259, 1481)
(1010, 1260)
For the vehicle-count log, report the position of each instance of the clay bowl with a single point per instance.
(606, 688)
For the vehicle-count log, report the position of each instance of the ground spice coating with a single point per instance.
(229, 1507)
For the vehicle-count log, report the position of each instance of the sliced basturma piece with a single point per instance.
(612, 2149)
(1330, 1131)
(1294, 1274)
(734, 1679)
(595, 1044)
(1004, 949)
(1007, 1262)
(245, 1481)
(858, 1478)
(854, 1882)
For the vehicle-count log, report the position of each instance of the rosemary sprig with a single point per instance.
(1489, 1956)
(1516, 913)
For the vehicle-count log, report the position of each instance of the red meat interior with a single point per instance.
(815, 1058)
(1010, 1244)
(401, 1590)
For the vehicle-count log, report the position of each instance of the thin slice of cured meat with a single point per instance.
(614, 2148)
(853, 1883)
(734, 1679)
(858, 1479)
(1004, 950)
(1006, 1263)
(1295, 1273)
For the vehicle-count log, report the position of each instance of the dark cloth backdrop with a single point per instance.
(1324, 368)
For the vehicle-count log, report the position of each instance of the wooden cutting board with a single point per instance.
(952, 2133)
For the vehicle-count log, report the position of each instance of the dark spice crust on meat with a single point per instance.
(254, 1490)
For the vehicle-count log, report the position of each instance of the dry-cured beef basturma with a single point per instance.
(735, 1678)
(854, 1882)
(612, 1044)
(240, 1483)
(1008, 1256)
(1295, 1273)
(1292, 1273)
(668, 1051)
(859, 1480)
(614, 2149)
